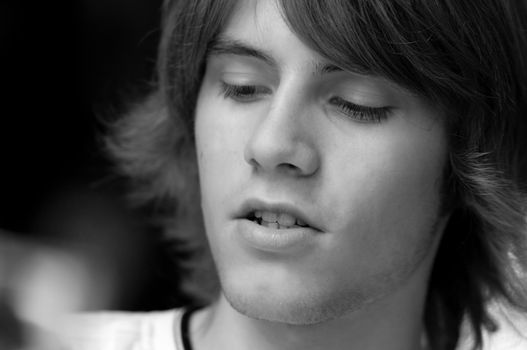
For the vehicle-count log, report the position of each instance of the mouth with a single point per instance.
(278, 221)
(276, 227)
(275, 216)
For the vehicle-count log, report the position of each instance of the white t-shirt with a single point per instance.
(161, 330)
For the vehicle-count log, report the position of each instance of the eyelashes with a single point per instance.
(243, 93)
(359, 113)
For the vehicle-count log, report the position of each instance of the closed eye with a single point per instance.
(244, 93)
(360, 113)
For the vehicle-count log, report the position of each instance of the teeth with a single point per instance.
(273, 225)
(286, 219)
(283, 227)
(269, 216)
(278, 220)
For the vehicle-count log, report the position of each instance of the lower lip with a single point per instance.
(275, 240)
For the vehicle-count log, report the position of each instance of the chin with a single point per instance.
(310, 301)
(293, 307)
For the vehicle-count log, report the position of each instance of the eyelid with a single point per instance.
(360, 89)
(236, 66)
(258, 87)
(247, 80)
(360, 113)
(245, 77)
(244, 93)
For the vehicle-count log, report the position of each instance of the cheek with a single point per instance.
(392, 185)
(209, 143)
(409, 175)
(391, 204)
(219, 149)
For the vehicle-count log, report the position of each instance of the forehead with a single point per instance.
(260, 24)
(254, 17)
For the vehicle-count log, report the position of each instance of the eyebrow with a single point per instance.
(227, 46)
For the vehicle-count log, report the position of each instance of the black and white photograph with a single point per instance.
(263, 175)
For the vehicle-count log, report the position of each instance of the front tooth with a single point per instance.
(258, 214)
(273, 225)
(269, 217)
(286, 219)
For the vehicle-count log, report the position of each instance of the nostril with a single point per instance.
(253, 163)
(288, 168)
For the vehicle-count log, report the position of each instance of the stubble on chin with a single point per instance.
(322, 303)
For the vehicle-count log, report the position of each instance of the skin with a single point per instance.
(369, 182)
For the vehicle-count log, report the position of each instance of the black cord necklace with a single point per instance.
(185, 336)
(185, 320)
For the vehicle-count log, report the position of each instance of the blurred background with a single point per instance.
(64, 65)
(66, 68)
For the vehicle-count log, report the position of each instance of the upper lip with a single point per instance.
(251, 205)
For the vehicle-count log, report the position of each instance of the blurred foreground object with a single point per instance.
(39, 284)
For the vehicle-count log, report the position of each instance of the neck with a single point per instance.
(394, 322)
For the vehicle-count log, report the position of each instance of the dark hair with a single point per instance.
(468, 58)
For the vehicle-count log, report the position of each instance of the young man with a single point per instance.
(359, 170)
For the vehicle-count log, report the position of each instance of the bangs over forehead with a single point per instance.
(434, 48)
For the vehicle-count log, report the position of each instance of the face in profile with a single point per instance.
(320, 188)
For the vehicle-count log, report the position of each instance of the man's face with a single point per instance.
(320, 188)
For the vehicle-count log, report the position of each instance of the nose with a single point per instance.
(283, 140)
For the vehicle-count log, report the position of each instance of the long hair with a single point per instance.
(468, 58)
